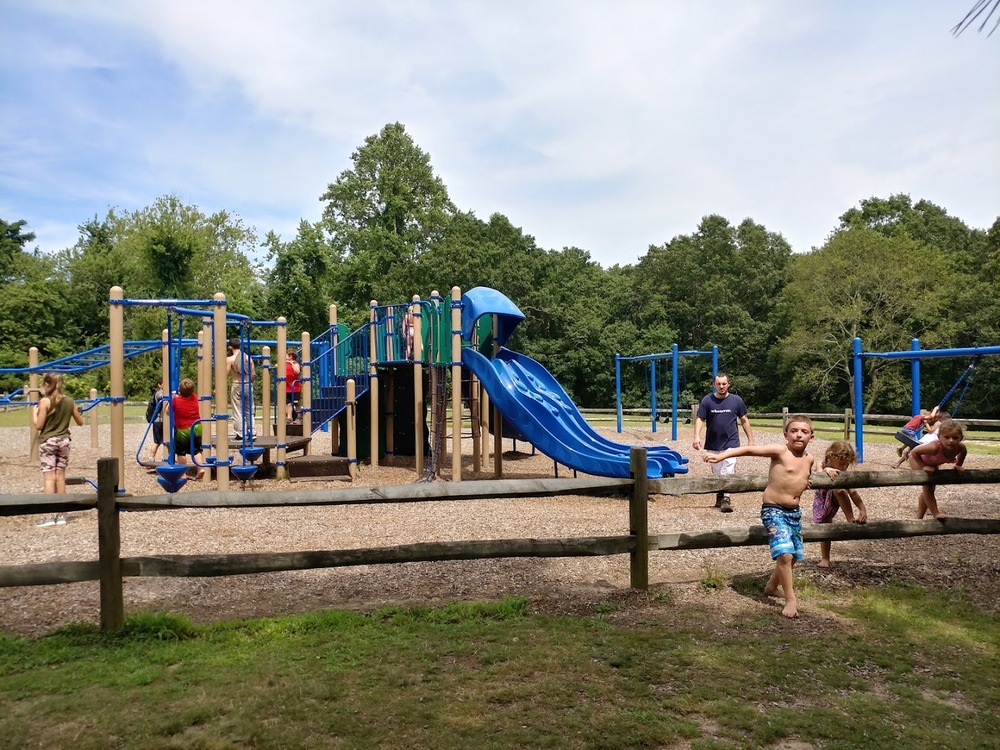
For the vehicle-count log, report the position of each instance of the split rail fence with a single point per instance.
(110, 568)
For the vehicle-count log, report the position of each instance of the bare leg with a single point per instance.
(781, 579)
(59, 477)
(771, 587)
(928, 503)
(824, 554)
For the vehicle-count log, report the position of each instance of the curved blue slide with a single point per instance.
(530, 398)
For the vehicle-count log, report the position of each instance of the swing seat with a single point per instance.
(909, 438)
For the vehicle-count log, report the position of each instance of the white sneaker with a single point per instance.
(60, 520)
(47, 522)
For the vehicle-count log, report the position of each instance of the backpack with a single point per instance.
(151, 406)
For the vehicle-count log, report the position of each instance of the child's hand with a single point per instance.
(930, 469)
(711, 458)
(959, 468)
(831, 472)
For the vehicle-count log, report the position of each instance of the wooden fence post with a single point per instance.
(638, 512)
(109, 546)
(784, 417)
(847, 424)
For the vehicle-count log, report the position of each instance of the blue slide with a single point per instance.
(531, 399)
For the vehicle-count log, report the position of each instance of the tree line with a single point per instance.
(891, 270)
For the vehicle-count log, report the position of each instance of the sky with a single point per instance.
(606, 125)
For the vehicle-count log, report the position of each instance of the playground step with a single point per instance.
(292, 429)
(315, 468)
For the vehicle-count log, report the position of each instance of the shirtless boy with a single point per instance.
(787, 479)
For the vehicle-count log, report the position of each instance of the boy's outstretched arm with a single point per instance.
(762, 451)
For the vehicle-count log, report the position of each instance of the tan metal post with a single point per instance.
(116, 358)
(352, 429)
(418, 384)
(484, 430)
(305, 373)
(280, 426)
(497, 416)
(373, 386)
(221, 396)
(265, 397)
(456, 385)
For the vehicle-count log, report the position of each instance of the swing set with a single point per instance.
(674, 357)
(915, 354)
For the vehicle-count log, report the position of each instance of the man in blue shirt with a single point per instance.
(719, 412)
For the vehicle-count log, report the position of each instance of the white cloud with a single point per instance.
(607, 126)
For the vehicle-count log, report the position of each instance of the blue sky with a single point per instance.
(606, 125)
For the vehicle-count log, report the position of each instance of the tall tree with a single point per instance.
(299, 283)
(719, 287)
(12, 242)
(388, 208)
(864, 284)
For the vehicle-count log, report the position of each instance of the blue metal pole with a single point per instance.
(858, 403)
(652, 392)
(673, 392)
(715, 361)
(618, 389)
(915, 378)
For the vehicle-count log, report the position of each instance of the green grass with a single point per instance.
(894, 667)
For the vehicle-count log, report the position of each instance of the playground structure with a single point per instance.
(458, 345)
(915, 354)
(674, 357)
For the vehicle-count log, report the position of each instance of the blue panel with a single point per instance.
(481, 301)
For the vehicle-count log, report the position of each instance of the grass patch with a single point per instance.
(893, 667)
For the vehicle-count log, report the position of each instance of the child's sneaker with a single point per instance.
(47, 522)
(60, 520)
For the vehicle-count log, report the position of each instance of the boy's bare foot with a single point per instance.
(940, 516)
(791, 609)
(823, 563)
(776, 591)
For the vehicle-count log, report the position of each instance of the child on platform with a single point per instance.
(840, 456)
(787, 479)
(949, 448)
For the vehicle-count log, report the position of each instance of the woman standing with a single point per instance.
(51, 419)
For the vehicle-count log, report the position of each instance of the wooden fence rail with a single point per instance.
(111, 568)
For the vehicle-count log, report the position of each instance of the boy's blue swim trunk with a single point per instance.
(784, 530)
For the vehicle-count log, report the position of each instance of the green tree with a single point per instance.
(388, 209)
(864, 284)
(12, 242)
(299, 283)
(719, 287)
